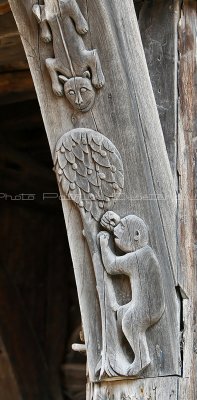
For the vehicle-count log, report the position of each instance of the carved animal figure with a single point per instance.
(140, 264)
(79, 91)
(90, 173)
(72, 58)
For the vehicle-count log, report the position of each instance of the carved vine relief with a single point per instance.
(75, 71)
(90, 173)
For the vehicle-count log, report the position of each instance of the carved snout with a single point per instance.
(78, 99)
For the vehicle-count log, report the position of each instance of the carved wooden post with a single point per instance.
(118, 193)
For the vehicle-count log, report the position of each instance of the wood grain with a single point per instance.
(130, 119)
(186, 190)
(158, 23)
(126, 113)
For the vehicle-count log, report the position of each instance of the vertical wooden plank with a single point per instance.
(164, 23)
(186, 185)
(158, 24)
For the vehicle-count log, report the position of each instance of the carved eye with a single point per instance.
(71, 92)
(83, 90)
(137, 235)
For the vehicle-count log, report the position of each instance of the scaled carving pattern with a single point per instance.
(90, 173)
(89, 169)
(74, 70)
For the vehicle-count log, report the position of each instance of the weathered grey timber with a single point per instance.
(168, 32)
(158, 23)
(126, 113)
(131, 121)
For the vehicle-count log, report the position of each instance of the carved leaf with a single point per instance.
(65, 185)
(70, 173)
(95, 147)
(107, 189)
(82, 170)
(62, 159)
(70, 156)
(104, 161)
(90, 170)
(78, 152)
(67, 143)
(92, 178)
(83, 183)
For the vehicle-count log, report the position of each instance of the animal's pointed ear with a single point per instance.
(86, 74)
(63, 78)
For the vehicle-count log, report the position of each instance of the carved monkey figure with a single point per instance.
(141, 265)
(65, 15)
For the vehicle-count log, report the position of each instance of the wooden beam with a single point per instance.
(130, 120)
(158, 23)
(187, 128)
(125, 112)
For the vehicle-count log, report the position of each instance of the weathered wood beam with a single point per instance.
(125, 112)
(187, 128)
(158, 24)
(168, 33)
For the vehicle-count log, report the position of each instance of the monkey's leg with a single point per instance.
(94, 64)
(54, 67)
(46, 35)
(39, 12)
(71, 9)
(134, 331)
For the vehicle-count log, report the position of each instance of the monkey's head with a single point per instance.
(131, 234)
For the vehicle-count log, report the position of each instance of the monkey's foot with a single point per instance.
(46, 37)
(98, 81)
(136, 368)
(58, 90)
(82, 26)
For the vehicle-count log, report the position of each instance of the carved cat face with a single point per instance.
(79, 91)
(131, 234)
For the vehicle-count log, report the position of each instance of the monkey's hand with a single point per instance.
(109, 220)
(103, 237)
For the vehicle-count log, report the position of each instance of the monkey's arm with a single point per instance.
(115, 265)
(110, 220)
